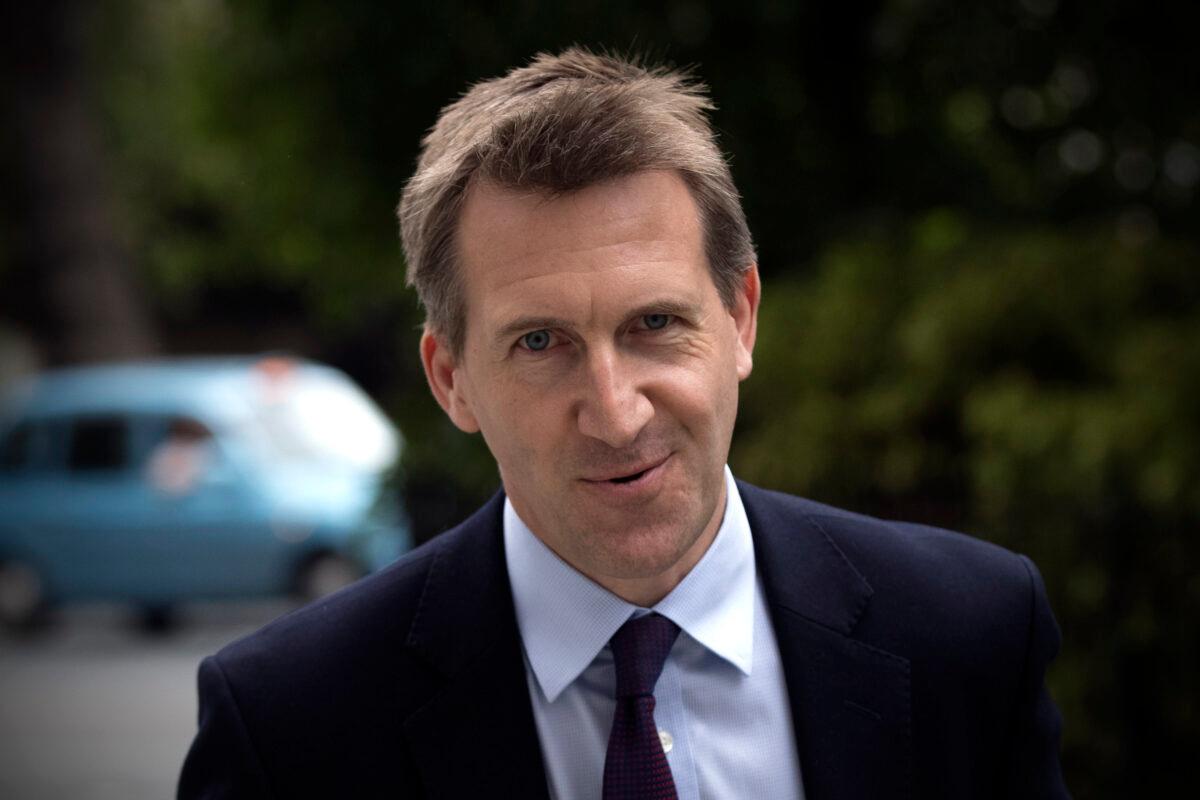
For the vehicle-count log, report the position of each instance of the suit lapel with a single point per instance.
(850, 701)
(476, 736)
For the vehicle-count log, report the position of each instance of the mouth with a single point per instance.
(631, 476)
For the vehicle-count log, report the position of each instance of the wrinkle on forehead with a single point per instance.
(602, 297)
(583, 266)
(501, 225)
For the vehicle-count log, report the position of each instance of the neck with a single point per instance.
(648, 591)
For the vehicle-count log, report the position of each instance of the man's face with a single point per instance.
(602, 369)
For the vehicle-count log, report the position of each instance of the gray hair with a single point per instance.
(560, 124)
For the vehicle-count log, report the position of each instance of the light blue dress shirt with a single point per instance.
(721, 702)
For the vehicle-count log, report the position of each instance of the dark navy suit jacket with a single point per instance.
(914, 661)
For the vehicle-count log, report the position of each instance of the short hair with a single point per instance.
(563, 123)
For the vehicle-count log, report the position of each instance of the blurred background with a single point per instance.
(977, 233)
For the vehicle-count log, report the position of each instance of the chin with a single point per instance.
(644, 553)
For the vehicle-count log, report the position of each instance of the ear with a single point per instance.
(446, 381)
(745, 320)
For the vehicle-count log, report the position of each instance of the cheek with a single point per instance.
(700, 398)
(520, 426)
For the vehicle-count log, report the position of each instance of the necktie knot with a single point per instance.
(640, 649)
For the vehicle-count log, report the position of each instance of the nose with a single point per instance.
(613, 409)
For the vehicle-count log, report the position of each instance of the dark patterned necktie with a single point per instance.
(636, 766)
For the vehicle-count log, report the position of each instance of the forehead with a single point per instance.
(633, 232)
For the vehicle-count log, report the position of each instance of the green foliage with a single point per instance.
(237, 168)
(1037, 388)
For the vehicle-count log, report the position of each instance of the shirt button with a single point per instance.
(667, 741)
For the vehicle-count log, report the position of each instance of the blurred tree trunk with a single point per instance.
(80, 293)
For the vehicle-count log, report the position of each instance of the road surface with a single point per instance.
(94, 708)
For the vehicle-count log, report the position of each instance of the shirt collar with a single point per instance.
(566, 619)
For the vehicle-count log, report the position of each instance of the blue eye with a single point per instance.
(656, 321)
(536, 340)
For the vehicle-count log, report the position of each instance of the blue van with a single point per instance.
(160, 482)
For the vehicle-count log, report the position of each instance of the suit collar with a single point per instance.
(465, 587)
(476, 736)
(803, 570)
(850, 701)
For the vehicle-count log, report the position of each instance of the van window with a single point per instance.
(98, 444)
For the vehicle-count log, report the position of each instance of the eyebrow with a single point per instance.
(677, 308)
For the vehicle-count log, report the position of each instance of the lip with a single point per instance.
(648, 481)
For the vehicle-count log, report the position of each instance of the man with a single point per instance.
(625, 619)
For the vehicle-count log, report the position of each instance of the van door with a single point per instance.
(213, 527)
(88, 510)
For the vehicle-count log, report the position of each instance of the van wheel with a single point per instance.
(157, 619)
(22, 596)
(325, 574)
